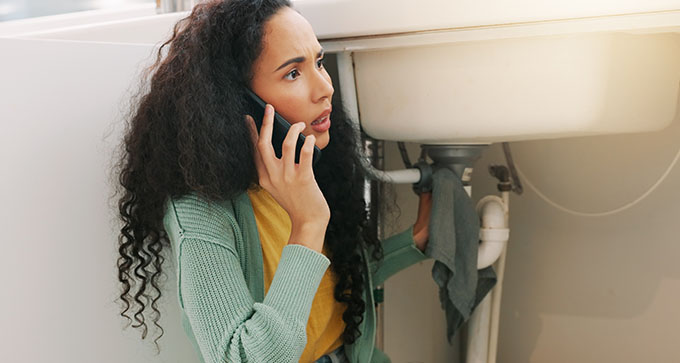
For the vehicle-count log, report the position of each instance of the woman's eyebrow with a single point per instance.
(298, 60)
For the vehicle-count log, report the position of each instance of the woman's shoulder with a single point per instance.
(193, 215)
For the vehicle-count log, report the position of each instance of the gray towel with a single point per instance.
(453, 243)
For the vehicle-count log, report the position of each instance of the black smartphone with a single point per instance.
(280, 129)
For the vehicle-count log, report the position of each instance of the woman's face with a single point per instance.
(289, 73)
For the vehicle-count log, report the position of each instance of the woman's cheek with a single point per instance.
(294, 109)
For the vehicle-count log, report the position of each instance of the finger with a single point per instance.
(259, 164)
(265, 138)
(289, 145)
(307, 153)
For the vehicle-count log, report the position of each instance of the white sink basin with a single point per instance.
(454, 72)
(463, 72)
(520, 89)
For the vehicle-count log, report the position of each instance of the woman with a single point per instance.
(252, 235)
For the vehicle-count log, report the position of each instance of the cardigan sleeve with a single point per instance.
(399, 252)
(228, 325)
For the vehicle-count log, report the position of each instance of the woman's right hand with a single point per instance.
(292, 185)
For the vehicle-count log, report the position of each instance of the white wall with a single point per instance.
(59, 121)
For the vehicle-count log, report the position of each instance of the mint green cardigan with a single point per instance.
(220, 284)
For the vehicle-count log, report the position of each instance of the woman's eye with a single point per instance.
(294, 71)
(320, 63)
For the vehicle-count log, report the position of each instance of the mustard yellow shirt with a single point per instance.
(325, 324)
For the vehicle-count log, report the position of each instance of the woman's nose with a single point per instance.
(323, 85)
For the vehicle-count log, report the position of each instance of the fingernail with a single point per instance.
(268, 109)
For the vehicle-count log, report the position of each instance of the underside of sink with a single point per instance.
(520, 89)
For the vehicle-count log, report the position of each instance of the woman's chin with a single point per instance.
(322, 140)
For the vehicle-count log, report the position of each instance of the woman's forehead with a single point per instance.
(286, 35)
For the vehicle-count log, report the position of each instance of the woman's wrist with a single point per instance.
(309, 234)
(420, 237)
(421, 229)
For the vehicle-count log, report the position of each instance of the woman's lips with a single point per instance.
(323, 114)
(322, 126)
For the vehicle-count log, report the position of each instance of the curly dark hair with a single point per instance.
(186, 133)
